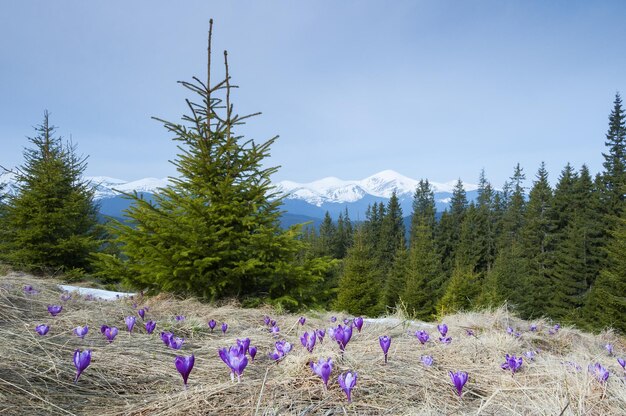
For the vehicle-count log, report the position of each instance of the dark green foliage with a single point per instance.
(614, 175)
(606, 305)
(424, 280)
(50, 225)
(214, 232)
(449, 228)
(461, 291)
(359, 286)
(537, 247)
(578, 237)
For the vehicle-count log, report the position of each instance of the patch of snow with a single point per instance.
(96, 293)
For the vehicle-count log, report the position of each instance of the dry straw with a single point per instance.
(135, 374)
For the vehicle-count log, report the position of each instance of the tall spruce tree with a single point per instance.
(214, 231)
(50, 224)
(359, 286)
(449, 228)
(424, 278)
(614, 175)
(606, 304)
(536, 241)
(502, 283)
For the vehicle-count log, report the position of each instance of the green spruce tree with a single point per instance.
(50, 224)
(359, 286)
(214, 231)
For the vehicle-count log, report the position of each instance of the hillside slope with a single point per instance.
(135, 374)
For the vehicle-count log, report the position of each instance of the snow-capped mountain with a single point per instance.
(302, 200)
(381, 185)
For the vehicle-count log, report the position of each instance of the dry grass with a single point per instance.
(135, 375)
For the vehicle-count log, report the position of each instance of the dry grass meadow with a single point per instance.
(135, 374)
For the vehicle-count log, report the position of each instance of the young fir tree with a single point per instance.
(392, 239)
(359, 286)
(50, 224)
(214, 232)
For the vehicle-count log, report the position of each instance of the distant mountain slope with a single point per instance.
(302, 201)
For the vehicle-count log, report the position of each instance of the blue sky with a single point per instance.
(431, 89)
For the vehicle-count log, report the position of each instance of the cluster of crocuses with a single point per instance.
(281, 348)
(443, 330)
(324, 367)
(235, 357)
(272, 325)
(172, 341)
(511, 362)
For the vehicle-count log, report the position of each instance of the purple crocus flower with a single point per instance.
(29, 290)
(65, 297)
(142, 313)
(212, 324)
(42, 329)
(308, 340)
(150, 325)
(224, 328)
(347, 322)
(422, 336)
(530, 355)
(281, 349)
(600, 373)
(244, 345)
(235, 359)
(358, 323)
(81, 331)
(323, 368)
(302, 320)
(445, 340)
(81, 362)
(533, 327)
(512, 363)
(342, 335)
(54, 310)
(252, 351)
(622, 362)
(180, 318)
(609, 348)
(273, 322)
(130, 323)
(267, 320)
(275, 330)
(458, 379)
(470, 333)
(427, 360)
(176, 343)
(166, 337)
(384, 342)
(320, 333)
(443, 329)
(184, 365)
(333, 319)
(110, 333)
(347, 381)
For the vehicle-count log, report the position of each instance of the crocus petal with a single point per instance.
(184, 365)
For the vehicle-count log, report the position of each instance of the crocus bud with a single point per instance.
(81, 362)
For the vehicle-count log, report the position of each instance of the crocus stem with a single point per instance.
(385, 358)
